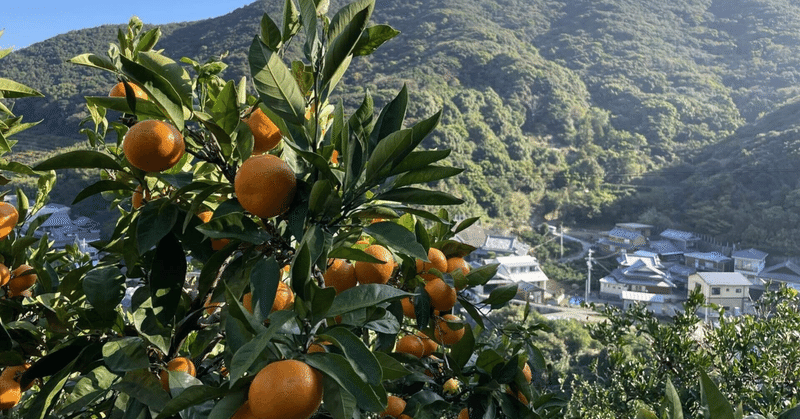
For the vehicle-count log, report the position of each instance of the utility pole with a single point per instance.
(588, 277)
(562, 241)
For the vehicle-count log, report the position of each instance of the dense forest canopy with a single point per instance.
(678, 113)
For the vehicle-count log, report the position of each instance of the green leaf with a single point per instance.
(79, 159)
(643, 413)
(338, 368)
(158, 88)
(270, 34)
(189, 397)
(167, 277)
(391, 117)
(154, 222)
(350, 253)
(144, 108)
(126, 354)
(418, 196)
(245, 359)
(275, 84)
(427, 174)
(291, 20)
(98, 187)
(482, 275)
(672, 402)
(715, 403)
(264, 278)
(87, 390)
(397, 237)
(386, 152)
(392, 369)
(462, 351)
(364, 296)
(148, 40)
(501, 295)
(359, 355)
(345, 30)
(372, 38)
(145, 387)
(104, 287)
(10, 89)
(172, 72)
(226, 108)
(225, 408)
(338, 402)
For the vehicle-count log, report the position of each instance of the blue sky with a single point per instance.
(29, 21)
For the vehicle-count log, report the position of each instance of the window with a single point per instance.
(727, 290)
(715, 291)
(738, 290)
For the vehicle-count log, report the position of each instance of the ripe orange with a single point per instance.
(20, 280)
(139, 197)
(181, 364)
(404, 417)
(451, 386)
(119, 91)
(437, 261)
(444, 334)
(318, 346)
(266, 134)
(463, 414)
(526, 370)
(244, 412)
(5, 274)
(394, 408)
(341, 275)
(430, 345)
(521, 397)
(408, 308)
(212, 307)
(458, 263)
(335, 157)
(10, 391)
(265, 185)
(153, 146)
(8, 219)
(375, 273)
(443, 296)
(410, 344)
(287, 389)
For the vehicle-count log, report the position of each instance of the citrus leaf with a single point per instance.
(350, 253)
(364, 296)
(104, 287)
(190, 397)
(338, 401)
(79, 159)
(9, 89)
(359, 355)
(386, 152)
(93, 60)
(145, 387)
(277, 88)
(501, 295)
(372, 38)
(171, 71)
(392, 369)
(270, 33)
(154, 222)
(391, 117)
(159, 89)
(398, 238)
(167, 277)
(345, 31)
(98, 187)
(126, 354)
(462, 351)
(245, 359)
(144, 108)
(717, 404)
(291, 20)
(338, 368)
(419, 197)
(227, 407)
(427, 174)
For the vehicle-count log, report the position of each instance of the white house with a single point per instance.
(522, 270)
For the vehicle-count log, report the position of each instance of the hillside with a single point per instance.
(558, 110)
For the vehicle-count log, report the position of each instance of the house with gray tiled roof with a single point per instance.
(783, 273)
(496, 245)
(709, 261)
(638, 274)
(749, 262)
(683, 240)
(621, 240)
(667, 252)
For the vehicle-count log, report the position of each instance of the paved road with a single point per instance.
(576, 256)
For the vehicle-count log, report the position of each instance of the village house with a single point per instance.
(729, 290)
(750, 263)
(625, 238)
(642, 274)
(667, 252)
(522, 270)
(683, 240)
(709, 261)
(783, 273)
(495, 245)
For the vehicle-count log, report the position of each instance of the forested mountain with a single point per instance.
(578, 110)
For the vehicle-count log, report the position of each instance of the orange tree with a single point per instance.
(210, 297)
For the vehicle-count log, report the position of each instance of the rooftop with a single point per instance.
(634, 226)
(710, 256)
(750, 254)
(672, 234)
(624, 234)
(724, 278)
